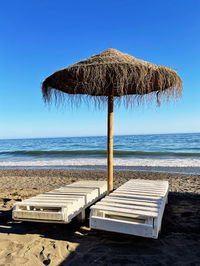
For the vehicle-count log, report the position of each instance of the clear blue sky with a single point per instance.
(39, 37)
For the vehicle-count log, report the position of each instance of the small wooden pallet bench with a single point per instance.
(135, 208)
(60, 205)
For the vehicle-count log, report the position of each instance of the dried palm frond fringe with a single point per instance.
(127, 75)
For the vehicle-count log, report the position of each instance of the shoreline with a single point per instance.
(26, 243)
(151, 169)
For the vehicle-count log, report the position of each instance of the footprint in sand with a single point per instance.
(46, 261)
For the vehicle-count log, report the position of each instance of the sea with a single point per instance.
(174, 153)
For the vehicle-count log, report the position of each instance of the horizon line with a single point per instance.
(88, 136)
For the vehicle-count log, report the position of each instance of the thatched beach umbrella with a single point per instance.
(109, 76)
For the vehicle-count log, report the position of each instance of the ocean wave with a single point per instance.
(119, 153)
(103, 162)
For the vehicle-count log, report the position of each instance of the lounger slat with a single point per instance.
(161, 190)
(64, 194)
(132, 204)
(135, 196)
(131, 201)
(48, 201)
(39, 215)
(144, 187)
(143, 184)
(72, 192)
(123, 210)
(56, 198)
(129, 206)
(144, 190)
(46, 204)
(139, 193)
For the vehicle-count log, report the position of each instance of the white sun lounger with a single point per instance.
(135, 208)
(62, 204)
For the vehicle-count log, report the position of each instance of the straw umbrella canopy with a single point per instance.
(107, 77)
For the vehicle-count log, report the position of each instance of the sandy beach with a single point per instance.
(24, 243)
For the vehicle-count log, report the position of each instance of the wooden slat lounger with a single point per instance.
(62, 204)
(135, 208)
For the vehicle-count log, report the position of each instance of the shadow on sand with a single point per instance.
(178, 243)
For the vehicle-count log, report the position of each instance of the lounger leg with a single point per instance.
(81, 216)
(167, 199)
(155, 228)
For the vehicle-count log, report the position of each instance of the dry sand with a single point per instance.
(23, 243)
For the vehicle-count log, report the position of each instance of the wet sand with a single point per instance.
(24, 243)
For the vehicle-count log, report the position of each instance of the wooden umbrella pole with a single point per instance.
(110, 142)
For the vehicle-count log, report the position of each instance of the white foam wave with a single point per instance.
(102, 162)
